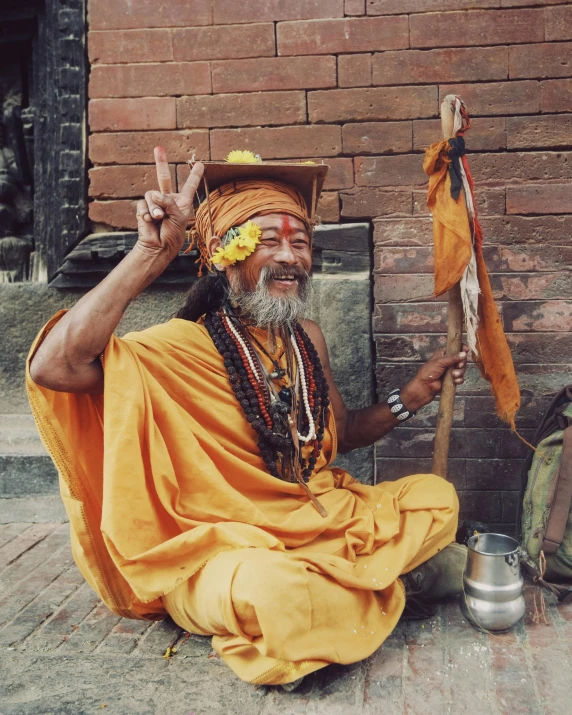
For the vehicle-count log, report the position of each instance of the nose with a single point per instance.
(285, 253)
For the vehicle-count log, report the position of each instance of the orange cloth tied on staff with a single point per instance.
(458, 254)
(235, 202)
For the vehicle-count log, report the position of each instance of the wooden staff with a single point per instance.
(454, 341)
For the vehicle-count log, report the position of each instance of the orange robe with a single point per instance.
(171, 510)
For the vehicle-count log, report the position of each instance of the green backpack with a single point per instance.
(546, 520)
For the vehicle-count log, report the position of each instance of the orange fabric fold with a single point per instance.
(495, 359)
(162, 477)
(451, 229)
(452, 253)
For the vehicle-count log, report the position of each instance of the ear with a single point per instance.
(213, 243)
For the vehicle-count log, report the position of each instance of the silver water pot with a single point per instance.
(493, 585)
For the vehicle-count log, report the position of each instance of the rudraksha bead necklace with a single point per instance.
(271, 412)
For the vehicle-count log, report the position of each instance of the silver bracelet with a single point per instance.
(397, 407)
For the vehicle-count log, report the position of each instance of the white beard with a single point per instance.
(265, 310)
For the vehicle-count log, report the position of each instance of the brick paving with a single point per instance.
(62, 651)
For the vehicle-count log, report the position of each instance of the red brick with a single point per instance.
(489, 201)
(497, 97)
(377, 137)
(117, 46)
(558, 22)
(122, 182)
(403, 232)
(230, 11)
(485, 134)
(279, 142)
(543, 231)
(546, 60)
(340, 174)
(223, 42)
(553, 315)
(354, 70)
(556, 95)
(328, 210)
(144, 80)
(15, 548)
(526, 244)
(237, 110)
(519, 259)
(362, 34)
(482, 27)
(366, 203)
(539, 199)
(531, 132)
(137, 148)
(398, 7)
(379, 103)
(125, 14)
(527, 166)
(389, 288)
(132, 114)
(531, 286)
(430, 661)
(405, 170)
(273, 73)
(8, 532)
(465, 64)
(115, 214)
(354, 7)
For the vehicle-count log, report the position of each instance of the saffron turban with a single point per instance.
(234, 203)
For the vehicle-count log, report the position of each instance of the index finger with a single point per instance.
(163, 172)
(194, 179)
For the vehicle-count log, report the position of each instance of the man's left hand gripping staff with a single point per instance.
(360, 428)
(68, 358)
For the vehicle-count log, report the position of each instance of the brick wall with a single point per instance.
(358, 83)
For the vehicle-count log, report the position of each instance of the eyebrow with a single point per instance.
(277, 227)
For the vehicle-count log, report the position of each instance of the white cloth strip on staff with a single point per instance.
(469, 283)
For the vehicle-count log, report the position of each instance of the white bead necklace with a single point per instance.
(311, 425)
(238, 337)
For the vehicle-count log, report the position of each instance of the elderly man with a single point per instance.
(194, 456)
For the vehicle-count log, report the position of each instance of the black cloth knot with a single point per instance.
(456, 151)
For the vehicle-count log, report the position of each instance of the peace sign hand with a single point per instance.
(162, 216)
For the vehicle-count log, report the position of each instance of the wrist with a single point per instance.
(150, 260)
(415, 396)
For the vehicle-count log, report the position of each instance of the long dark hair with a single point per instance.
(205, 296)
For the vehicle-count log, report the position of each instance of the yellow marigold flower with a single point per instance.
(242, 157)
(250, 231)
(235, 252)
(220, 257)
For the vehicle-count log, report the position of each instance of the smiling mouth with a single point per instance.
(286, 280)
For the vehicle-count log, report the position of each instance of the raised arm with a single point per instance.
(360, 428)
(68, 358)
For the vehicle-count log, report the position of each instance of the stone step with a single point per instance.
(25, 467)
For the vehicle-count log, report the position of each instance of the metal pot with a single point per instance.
(492, 583)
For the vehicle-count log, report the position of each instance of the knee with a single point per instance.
(269, 587)
(260, 577)
(443, 493)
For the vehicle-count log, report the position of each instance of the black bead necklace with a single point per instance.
(269, 416)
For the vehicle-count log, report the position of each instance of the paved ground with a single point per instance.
(61, 651)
